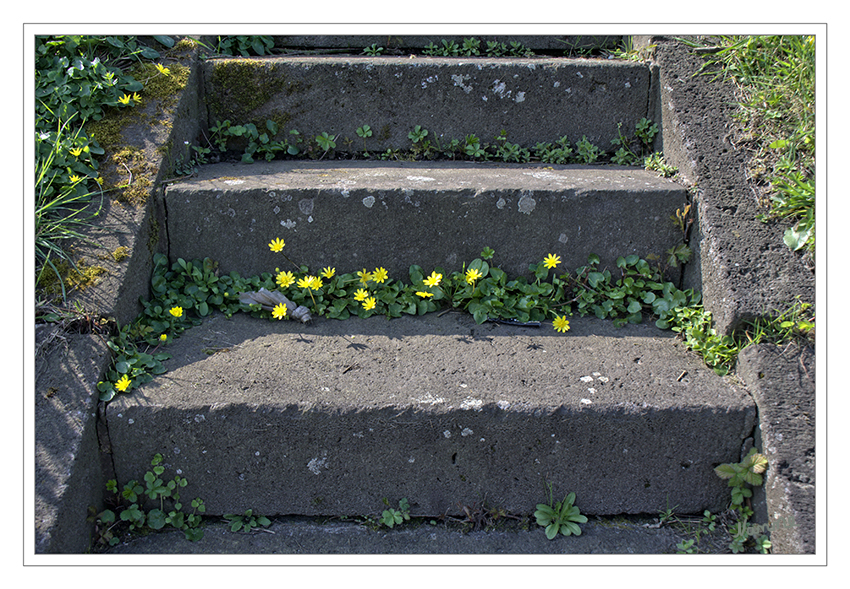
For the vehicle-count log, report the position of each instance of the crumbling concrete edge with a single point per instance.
(745, 271)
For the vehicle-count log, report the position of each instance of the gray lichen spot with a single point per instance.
(500, 204)
(459, 81)
(306, 206)
(520, 97)
(526, 204)
(369, 201)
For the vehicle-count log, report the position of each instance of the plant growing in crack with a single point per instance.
(247, 521)
(392, 517)
(560, 517)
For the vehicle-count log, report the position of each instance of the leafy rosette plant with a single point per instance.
(563, 517)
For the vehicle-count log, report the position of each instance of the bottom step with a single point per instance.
(306, 536)
(331, 417)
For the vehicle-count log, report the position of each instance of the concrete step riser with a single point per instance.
(330, 418)
(532, 100)
(357, 215)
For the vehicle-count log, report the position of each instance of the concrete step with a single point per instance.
(300, 535)
(531, 99)
(331, 417)
(355, 214)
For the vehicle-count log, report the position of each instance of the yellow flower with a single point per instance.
(361, 295)
(136, 97)
(434, 279)
(551, 261)
(379, 275)
(329, 272)
(472, 275)
(285, 279)
(424, 295)
(369, 303)
(364, 276)
(163, 70)
(123, 383)
(276, 245)
(279, 311)
(561, 324)
(76, 151)
(124, 99)
(316, 283)
(306, 282)
(99, 180)
(74, 179)
(176, 311)
(163, 338)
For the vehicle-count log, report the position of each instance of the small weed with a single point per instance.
(132, 499)
(246, 521)
(560, 517)
(373, 50)
(244, 45)
(655, 162)
(392, 517)
(741, 476)
(418, 134)
(587, 152)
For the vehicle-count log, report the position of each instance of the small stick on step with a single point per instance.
(681, 376)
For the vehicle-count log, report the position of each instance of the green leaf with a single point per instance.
(165, 40)
(725, 471)
(156, 519)
(795, 238)
(594, 278)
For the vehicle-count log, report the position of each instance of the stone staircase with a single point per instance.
(329, 418)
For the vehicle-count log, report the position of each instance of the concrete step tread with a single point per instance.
(437, 409)
(344, 175)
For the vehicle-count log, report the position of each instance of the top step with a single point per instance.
(531, 99)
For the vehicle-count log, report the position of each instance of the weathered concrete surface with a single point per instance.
(353, 215)
(782, 382)
(745, 268)
(68, 474)
(305, 536)
(533, 100)
(330, 418)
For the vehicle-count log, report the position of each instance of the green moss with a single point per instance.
(248, 84)
(121, 253)
(139, 171)
(81, 278)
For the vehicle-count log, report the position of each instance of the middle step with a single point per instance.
(355, 214)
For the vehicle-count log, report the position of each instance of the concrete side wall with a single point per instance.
(744, 266)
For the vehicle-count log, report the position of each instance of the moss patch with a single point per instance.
(132, 161)
(80, 278)
(246, 85)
